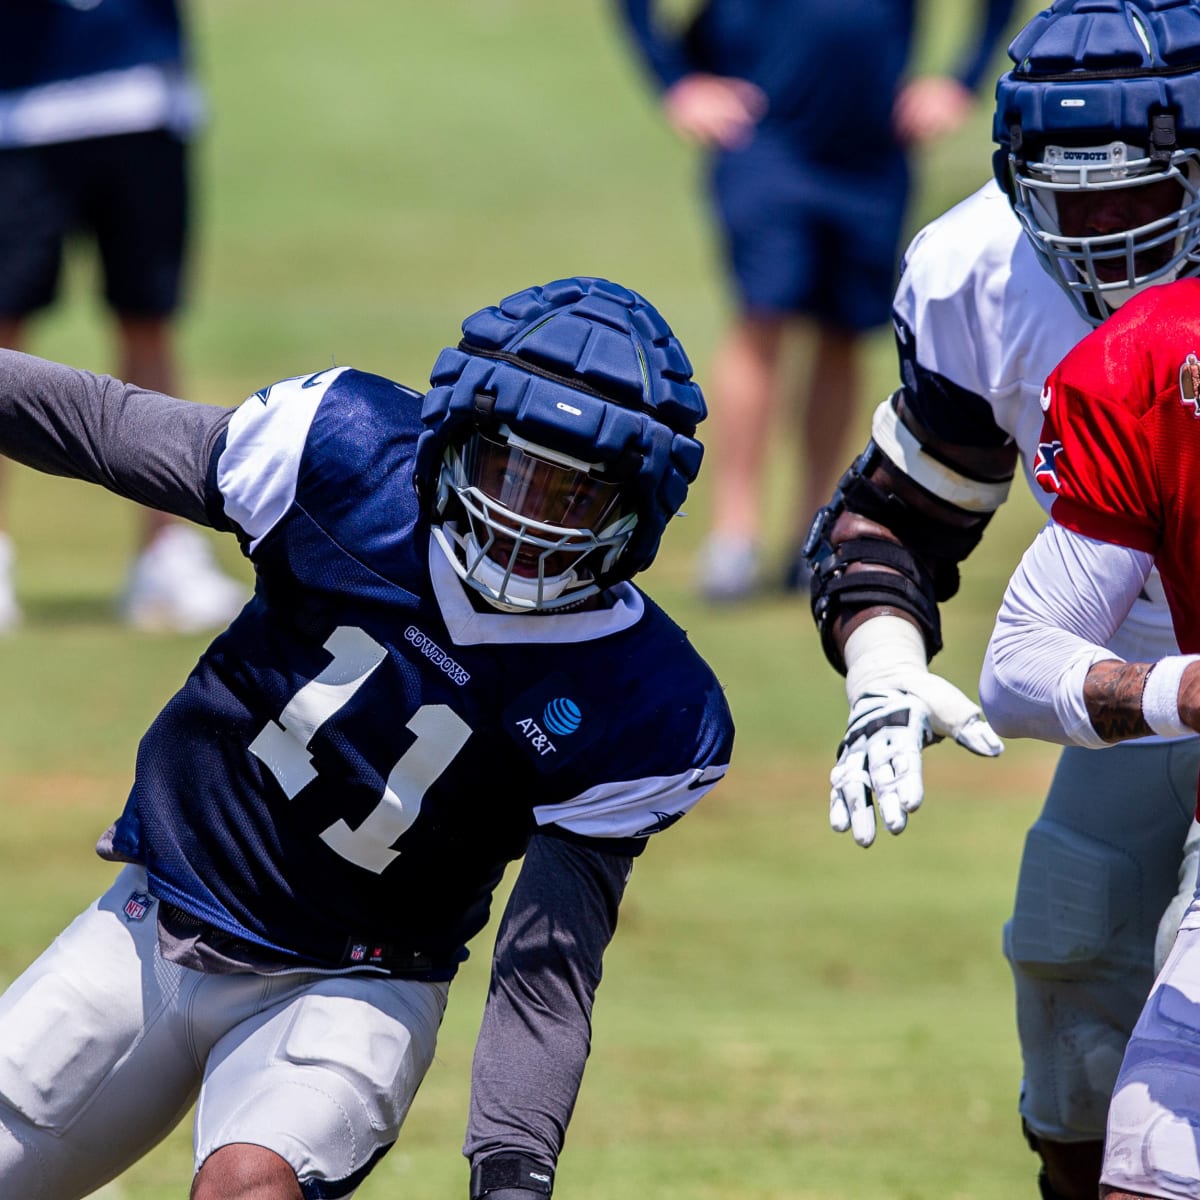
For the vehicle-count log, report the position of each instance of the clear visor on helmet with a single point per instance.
(1107, 220)
(537, 526)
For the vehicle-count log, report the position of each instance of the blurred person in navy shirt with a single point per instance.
(804, 108)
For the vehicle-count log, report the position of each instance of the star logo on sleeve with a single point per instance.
(1045, 465)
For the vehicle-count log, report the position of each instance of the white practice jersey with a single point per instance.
(980, 320)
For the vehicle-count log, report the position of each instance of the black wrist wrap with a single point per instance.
(906, 587)
(510, 1170)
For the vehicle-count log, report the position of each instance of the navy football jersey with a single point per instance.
(350, 766)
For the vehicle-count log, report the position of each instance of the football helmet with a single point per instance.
(1098, 128)
(558, 442)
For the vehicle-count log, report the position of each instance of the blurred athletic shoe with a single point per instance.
(175, 586)
(728, 569)
(10, 610)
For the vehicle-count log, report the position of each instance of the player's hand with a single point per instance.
(897, 708)
(714, 110)
(879, 759)
(930, 107)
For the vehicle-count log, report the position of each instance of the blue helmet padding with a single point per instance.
(588, 368)
(1082, 67)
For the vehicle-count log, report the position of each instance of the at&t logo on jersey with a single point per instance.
(561, 717)
(1045, 465)
(537, 737)
(551, 723)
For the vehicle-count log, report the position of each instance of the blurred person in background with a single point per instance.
(1096, 197)
(97, 106)
(809, 123)
(444, 669)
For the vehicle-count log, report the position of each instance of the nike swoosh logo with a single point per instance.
(311, 381)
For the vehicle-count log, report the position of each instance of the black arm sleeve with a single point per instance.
(536, 1030)
(142, 445)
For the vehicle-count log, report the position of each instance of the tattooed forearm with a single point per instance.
(1113, 694)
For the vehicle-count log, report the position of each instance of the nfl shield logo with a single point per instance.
(137, 906)
(358, 952)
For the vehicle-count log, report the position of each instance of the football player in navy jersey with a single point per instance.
(443, 668)
(1096, 198)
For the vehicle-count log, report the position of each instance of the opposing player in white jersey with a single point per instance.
(1095, 198)
(443, 668)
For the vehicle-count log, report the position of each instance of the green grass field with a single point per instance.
(783, 1015)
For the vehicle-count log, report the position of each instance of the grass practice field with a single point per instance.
(784, 1016)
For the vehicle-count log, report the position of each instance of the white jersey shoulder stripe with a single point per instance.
(260, 464)
(896, 440)
(631, 808)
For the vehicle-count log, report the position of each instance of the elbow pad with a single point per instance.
(923, 564)
(906, 587)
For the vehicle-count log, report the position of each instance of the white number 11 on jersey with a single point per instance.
(282, 747)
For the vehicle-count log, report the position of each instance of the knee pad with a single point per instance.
(1081, 968)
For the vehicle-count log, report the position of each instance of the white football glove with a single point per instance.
(897, 707)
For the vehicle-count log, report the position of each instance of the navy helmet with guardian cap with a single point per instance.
(1104, 97)
(558, 442)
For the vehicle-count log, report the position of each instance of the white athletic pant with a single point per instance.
(104, 1045)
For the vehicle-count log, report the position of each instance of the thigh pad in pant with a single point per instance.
(1100, 866)
(324, 1076)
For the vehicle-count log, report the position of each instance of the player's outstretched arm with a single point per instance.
(1048, 673)
(145, 446)
(536, 1031)
(885, 554)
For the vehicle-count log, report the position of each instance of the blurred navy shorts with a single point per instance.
(129, 193)
(812, 239)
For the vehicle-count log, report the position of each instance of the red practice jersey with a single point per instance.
(1120, 444)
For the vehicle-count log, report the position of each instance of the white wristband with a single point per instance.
(883, 652)
(1160, 695)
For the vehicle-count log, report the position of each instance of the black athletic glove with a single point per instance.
(510, 1176)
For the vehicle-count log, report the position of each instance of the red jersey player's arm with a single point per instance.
(1048, 672)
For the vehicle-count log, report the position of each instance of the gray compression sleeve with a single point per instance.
(143, 445)
(536, 1030)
